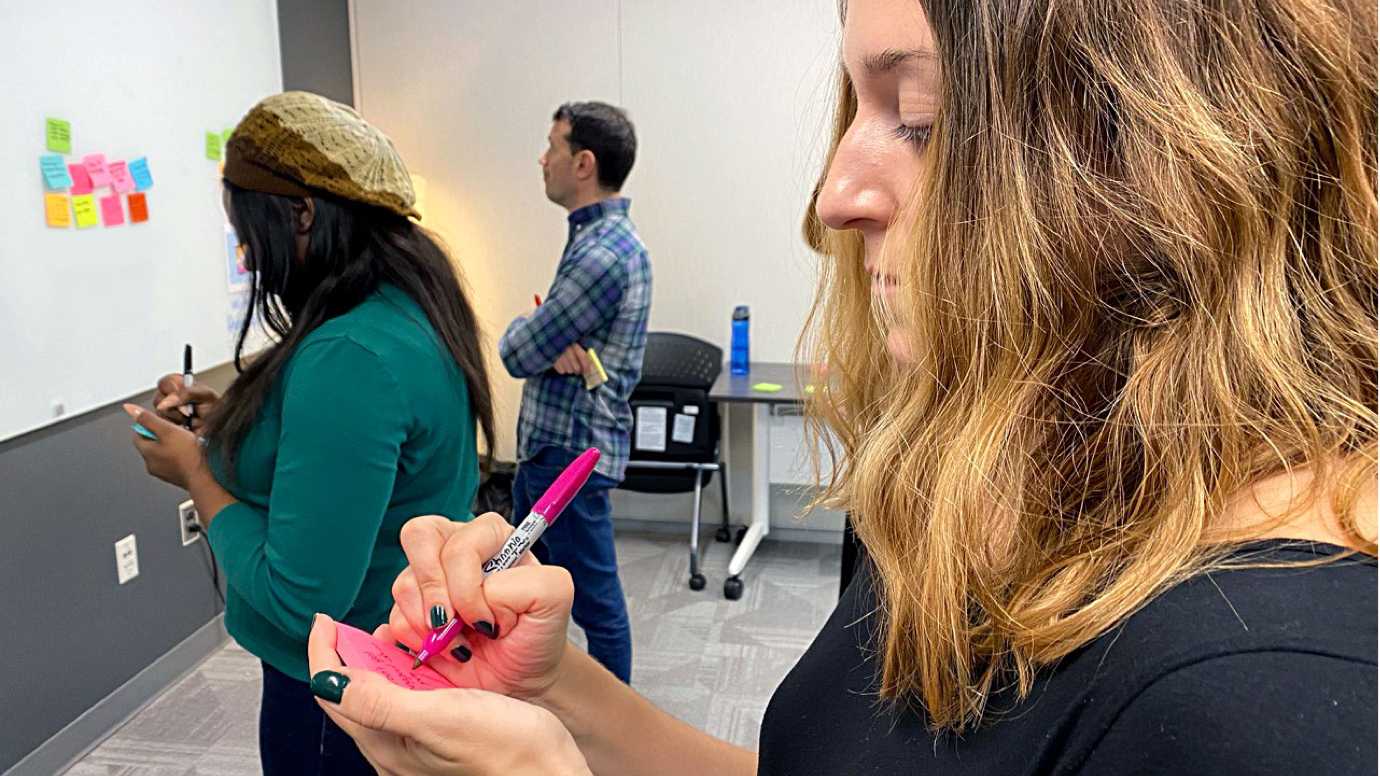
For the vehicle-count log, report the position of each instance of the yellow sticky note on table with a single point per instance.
(58, 213)
(767, 387)
(85, 208)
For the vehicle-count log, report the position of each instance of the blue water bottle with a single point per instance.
(738, 353)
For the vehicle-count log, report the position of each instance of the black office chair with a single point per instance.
(675, 444)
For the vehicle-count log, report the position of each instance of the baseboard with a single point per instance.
(778, 534)
(84, 733)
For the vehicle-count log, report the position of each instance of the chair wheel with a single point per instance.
(738, 537)
(723, 534)
(697, 582)
(733, 588)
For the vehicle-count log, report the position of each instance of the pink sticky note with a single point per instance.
(358, 649)
(119, 177)
(81, 179)
(95, 167)
(112, 213)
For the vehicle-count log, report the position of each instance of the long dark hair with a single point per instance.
(352, 248)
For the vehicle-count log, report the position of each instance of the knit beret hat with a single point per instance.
(298, 143)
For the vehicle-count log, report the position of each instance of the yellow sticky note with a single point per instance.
(767, 387)
(59, 214)
(85, 208)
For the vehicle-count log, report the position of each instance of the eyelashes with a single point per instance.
(916, 136)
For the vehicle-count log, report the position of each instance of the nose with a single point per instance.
(855, 194)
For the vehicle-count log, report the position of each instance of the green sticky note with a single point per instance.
(213, 146)
(59, 134)
(766, 387)
(225, 135)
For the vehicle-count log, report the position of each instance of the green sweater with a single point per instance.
(368, 426)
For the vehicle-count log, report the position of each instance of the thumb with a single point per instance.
(365, 699)
(149, 420)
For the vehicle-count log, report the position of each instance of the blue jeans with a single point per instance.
(581, 540)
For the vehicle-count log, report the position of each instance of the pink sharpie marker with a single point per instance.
(543, 514)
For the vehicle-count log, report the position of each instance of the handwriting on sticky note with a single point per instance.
(112, 213)
(81, 179)
(95, 167)
(139, 171)
(119, 177)
(84, 207)
(138, 208)
(54, 172)
(213, 144)
(358, 649)
(58, 214)
(59, 135)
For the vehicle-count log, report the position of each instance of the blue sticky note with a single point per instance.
(55, 175)
(139, 171)
(143, 432)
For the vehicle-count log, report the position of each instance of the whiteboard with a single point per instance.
(91, 316)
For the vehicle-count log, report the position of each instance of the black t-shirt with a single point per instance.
(1247, 671)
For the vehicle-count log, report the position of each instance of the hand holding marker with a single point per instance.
(543, 514)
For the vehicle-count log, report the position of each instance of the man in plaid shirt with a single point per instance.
(599, 299)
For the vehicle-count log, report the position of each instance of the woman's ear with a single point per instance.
(305, 212)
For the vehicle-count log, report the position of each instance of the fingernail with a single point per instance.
(486, 628)
(402, 646)
(438, 616)
(461, 653)
(329, 685)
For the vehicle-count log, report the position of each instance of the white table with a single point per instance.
(737, 389)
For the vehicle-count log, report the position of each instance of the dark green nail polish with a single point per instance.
(329, 685)
(438, 616)
(486, 628)
(461, 653)
(402, 646)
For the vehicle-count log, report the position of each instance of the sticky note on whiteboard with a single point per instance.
(56, 211)
(59, 135)
(54, 170)
(84, 207)
(95, 167)
(119, 178)
(138, 208)
(112, 212)
(358, 649)
(213, 144)
(139, 171)
(81, 180)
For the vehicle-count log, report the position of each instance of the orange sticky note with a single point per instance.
(138, 209)
(59, 214)
(85, 208)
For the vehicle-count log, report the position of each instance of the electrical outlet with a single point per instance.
(126, 559)
(188, 523)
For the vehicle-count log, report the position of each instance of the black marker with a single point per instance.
(187, 409)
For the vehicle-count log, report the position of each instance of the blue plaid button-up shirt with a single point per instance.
(600, 298)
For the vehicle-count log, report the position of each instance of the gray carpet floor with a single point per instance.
(711, 662)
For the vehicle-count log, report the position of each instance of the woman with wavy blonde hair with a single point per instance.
(1099, 309)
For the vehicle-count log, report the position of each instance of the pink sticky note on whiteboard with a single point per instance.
(95, 167)
(358, 649)
(119, 177)
(81, 179)
(112, 213)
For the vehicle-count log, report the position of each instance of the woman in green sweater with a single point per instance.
(361, 416)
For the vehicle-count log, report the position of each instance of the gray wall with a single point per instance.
(70, 633)
(315, 39)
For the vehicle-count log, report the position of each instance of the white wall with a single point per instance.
(730, 100)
